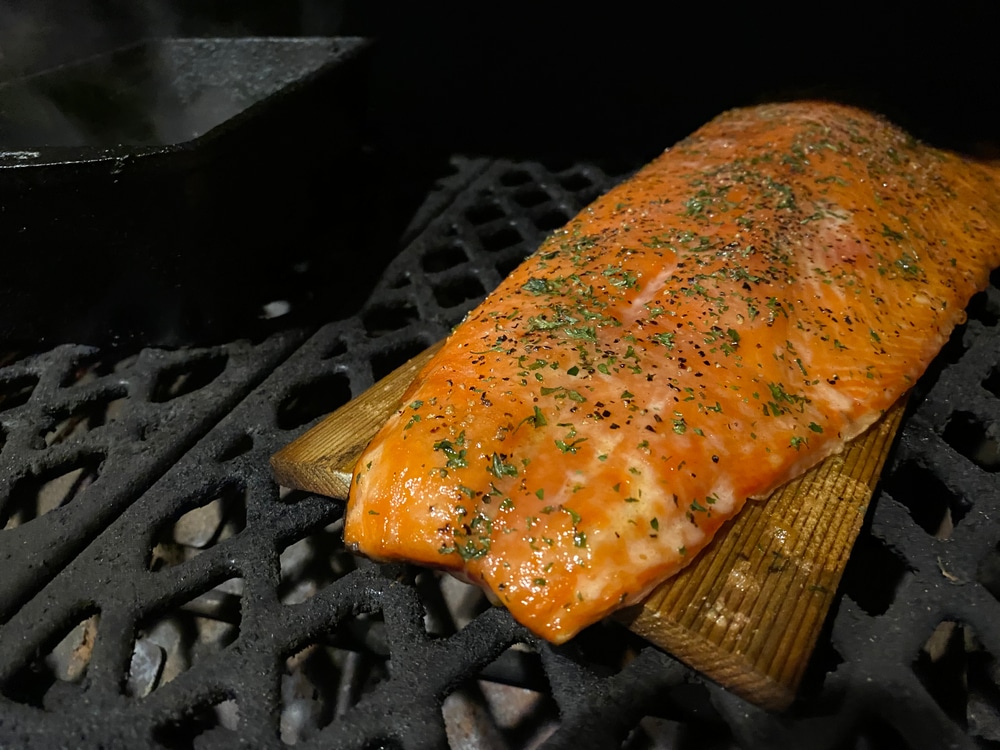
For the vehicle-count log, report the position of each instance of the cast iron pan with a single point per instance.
(166, 190)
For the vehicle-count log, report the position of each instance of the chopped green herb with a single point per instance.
(667, 339)
(500, 468)
(537, 286)
(569, 447)
(887, 231)
(456, 456)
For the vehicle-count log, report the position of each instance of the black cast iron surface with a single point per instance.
(134, 179)
(169, 594)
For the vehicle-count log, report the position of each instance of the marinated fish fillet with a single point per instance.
(749, 301)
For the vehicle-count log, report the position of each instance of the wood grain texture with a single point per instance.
(747, 612)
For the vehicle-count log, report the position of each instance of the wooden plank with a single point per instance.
(748, 610)
(322, 460)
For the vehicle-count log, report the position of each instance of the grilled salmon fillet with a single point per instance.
(701, 334)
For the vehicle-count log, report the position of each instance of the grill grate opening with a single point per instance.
(73, 423)
(199, 529)
(984, 307)
(877, 732)
(449, 604)
(519, 665)
(458, 291)
(481, 714)
(398, 354)
(484, 213)
(170, 644)
(531, 197)
(966, 433)
(38, 494)
(505, 266)
(322, 682)
(309, 401)
(992, 381)
(65, 662)
(551, 220)
(16, 390)
(88, 366)
(205, 725)
(400, 282)
(575, 181)
(382, 319)
(310, 564)
(873, 575)
(825, 659)
(500, 239)
(982, 711)
(953, 666)
(174, 382)
(335, 348)
(515, 177)
(935, 508)
(443, 258)
(988, 572)
(951, 353)
(605, 647)
(655, 733)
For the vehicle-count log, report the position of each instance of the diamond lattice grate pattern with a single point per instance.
(164, 592)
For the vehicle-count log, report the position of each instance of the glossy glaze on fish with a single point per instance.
(706, 331)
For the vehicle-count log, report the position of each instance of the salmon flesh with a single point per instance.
(703, 333)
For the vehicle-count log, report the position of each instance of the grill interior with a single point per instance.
(161, 590)
(158, 589)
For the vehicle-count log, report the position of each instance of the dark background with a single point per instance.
(577, 78)
(164, 260)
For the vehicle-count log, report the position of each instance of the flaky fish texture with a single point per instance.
(706, 331)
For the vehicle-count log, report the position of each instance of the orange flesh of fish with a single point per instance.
(731, 315)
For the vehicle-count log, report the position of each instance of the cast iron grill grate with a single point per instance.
(165, 592)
